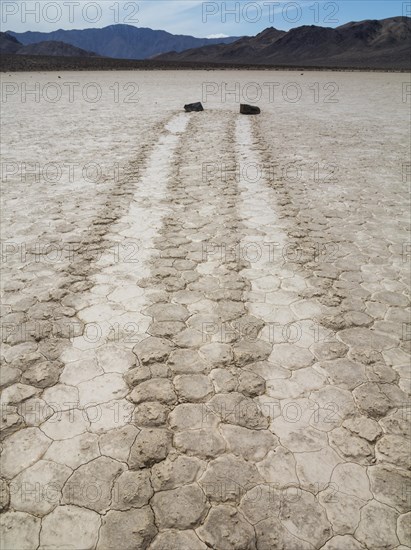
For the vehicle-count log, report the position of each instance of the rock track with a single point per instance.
(223, 387)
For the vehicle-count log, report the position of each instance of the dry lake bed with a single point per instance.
(205, 316)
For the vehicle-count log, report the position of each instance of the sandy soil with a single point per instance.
(205, 316)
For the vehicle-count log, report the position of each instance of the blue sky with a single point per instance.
(194, 17)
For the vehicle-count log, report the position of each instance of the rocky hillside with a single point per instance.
(373, 43)
(10, 45)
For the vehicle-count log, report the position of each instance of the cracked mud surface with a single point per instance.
(220, 358)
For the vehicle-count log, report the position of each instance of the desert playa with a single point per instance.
(205, 316)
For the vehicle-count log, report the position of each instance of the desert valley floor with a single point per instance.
(205, 316)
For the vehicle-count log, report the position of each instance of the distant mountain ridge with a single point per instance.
(122, 41)
(370, 44)
(10, 45)
(382, 43)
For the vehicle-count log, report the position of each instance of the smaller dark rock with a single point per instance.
(190, 107)
(249, 109)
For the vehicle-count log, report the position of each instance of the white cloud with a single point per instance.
(217, 35)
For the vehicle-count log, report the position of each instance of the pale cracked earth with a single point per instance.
(217, 358)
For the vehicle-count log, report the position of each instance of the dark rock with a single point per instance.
(190, 107)
(249, 110)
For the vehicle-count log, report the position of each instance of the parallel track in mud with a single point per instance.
(198, 424)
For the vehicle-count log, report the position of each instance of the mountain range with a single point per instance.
(121, 41)
(382, 43)
(371, 44)
(10, 45)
